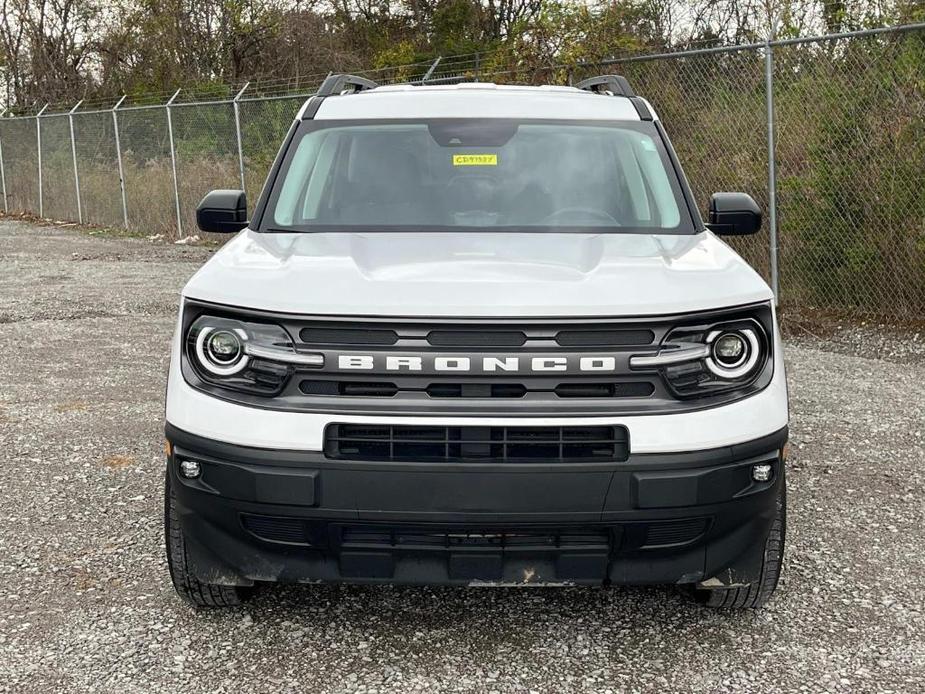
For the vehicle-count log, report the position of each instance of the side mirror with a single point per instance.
(734, 214)
(222, 211)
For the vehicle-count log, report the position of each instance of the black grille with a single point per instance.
(630, 389)
(348, 336)
(443, 390)
(349, 388)
(322, 534)
(475, 335)
(604, 338)
(477, 367)
(376, 537)
(476, 338)
(275, 529)
(476, 444)
(674, 532)
(476, 390)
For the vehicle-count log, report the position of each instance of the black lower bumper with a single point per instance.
(266, 515)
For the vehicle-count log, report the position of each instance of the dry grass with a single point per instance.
(149, 195)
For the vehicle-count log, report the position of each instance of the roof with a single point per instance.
(476, 100)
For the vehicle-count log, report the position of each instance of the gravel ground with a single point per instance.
(86, 604)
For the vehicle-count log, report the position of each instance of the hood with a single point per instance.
(483, 274)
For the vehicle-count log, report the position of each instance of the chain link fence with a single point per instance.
(851, 173)
(826, 133)
(97, 169)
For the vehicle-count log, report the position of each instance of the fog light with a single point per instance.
(762, 473)
(190, 469)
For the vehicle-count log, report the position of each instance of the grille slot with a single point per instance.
(290, 530)
(476, 444)
(476, 338)
(373, 389)
(476, 390)
(630, 389)
(675, 532)
(604, 338)
(317, 335)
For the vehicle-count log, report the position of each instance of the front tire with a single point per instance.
(195, 592)
(757, 594)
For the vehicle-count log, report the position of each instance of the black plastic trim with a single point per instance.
(311, 108)
(656, 518)
(617, 85)
(500, 320)
(336, 84)
(221, 450)
(641, 108)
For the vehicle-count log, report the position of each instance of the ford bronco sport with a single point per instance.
(476, 335)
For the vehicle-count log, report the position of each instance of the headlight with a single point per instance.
(221, 351)
(729, 349)
(244, 355)
(711, 358)
(733, 353)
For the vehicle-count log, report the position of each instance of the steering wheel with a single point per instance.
(595, 214)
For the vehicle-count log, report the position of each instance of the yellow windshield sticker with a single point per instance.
(475, 160)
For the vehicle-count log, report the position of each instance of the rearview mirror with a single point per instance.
(734, 214)
(222, 211)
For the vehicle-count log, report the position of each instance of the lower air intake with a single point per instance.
(276, 529)
(672, 533)
(569, 444)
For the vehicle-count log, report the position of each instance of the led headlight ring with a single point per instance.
(207, 342)
(746, 361)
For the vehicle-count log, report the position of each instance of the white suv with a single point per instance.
(476, 334)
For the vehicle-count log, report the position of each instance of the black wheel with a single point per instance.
(758, 593)
(191, 589)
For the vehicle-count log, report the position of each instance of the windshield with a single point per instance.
(477, 174)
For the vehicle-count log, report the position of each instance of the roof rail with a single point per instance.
(340, 84)
(617, 85)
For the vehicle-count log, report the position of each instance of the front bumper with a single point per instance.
(257, 514)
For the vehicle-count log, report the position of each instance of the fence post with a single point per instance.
(173, 162)
(237, 131)
(70, 118)
(478, 66)
(772, 166)
(6, 207)
(38, 149)
(115, 128)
